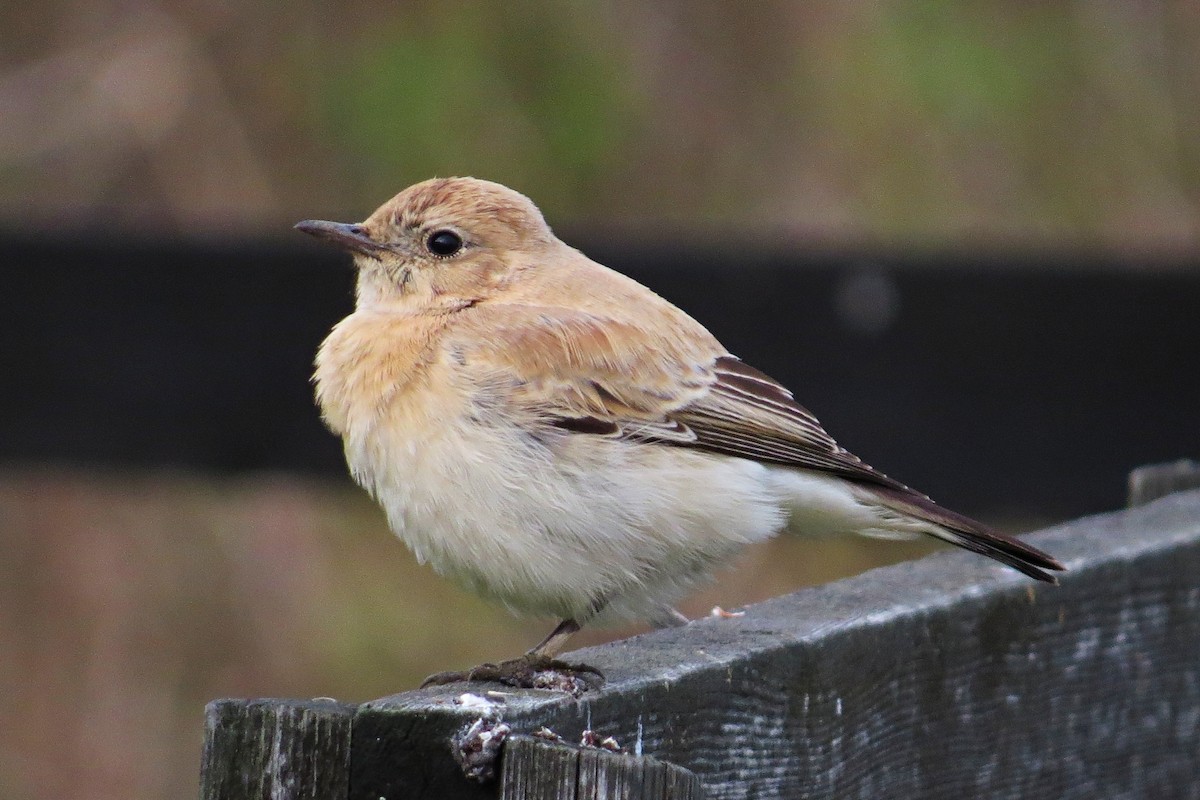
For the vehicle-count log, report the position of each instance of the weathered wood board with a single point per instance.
(949, 677)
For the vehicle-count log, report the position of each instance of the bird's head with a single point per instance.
(452, 240)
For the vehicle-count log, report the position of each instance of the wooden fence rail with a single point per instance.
(948, 677)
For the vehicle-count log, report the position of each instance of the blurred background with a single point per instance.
(967, 234)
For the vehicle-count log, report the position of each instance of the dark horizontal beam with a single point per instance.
(948, 677)
(1015, 383)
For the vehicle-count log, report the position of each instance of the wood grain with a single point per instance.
(277, 749)
(535, 769)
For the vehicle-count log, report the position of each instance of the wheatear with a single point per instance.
(556, 437)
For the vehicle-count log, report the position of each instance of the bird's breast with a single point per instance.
(368, 364)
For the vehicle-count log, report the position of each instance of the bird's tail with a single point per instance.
(967, 533)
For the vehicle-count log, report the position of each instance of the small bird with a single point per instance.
(558, 438)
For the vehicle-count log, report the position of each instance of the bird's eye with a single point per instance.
(444, 243)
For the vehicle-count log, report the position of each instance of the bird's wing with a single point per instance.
(583, 372)
(602, 376)
(652, 383)
(748, 414)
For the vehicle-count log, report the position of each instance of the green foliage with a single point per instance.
(537, 100)
(974, 68)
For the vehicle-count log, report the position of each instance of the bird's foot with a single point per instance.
(530, 671)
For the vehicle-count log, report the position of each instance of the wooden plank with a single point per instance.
(948, 677)
(536, 769)
(1159, 480)
(614, 776)
(277, 749)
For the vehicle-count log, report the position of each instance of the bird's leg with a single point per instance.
(668, 617)
(556, 640)
(537, 669)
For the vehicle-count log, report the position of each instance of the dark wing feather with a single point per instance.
(745, 413)
(971, 535)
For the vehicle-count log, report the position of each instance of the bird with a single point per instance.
(559, 439)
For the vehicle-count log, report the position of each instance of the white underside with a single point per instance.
(557, 525)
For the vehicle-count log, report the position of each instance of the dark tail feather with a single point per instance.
(971, 535)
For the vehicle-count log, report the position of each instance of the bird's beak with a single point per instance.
(344, 234)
